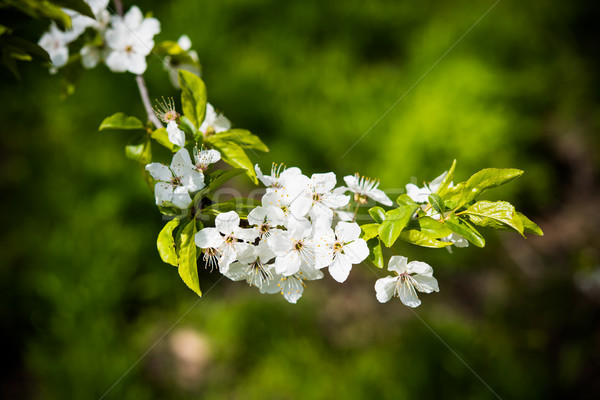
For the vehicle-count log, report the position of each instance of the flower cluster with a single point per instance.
(122, 43)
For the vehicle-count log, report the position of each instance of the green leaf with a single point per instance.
(162, 137)
(139, 150)
(376, 253)
(186, 125)
(431, 227)
(76, 5)
(486, 179)
(188, 265)
(377, 213)
(215, 181)
(166, 243)
(121, 121)
(395, 221)
(241, 205)
(464, 229)
(241, 137)
(529, 226)
(494, 214)
(404, 200)
(421, 238)
(437, 203)
(193, 97)
(235, 156)
(369, 231)
(447, 179)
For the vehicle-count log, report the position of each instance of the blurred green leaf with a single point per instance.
(139, 150)
(188, 264)
(464, 229)
(42, 9)
(495, 214)
(121, 121)
(395, 221)
(193, 97)
(166, 243)
(76, 5)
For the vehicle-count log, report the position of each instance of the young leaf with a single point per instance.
(447, 179)
(120, 121)
(193, 97)
(241, 137)
(215, 180)
(421, 238)
(395, 221)
(437, 203)
(429, 226)
(162, 137)
(464, 229)
(235, 156)
(369, 231)
(494, 214)
(240, 205)
(377, 213)
(529, 226)
(404, 200)
(486, 179)
(166, 243)
(188, 266)
(376, 253)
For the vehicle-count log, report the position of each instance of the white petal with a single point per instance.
(257, 216)
(133, 18)
(352, 182)
(279, 243)
(323, 183)
(137, 63)
(288, 264)
(184, 42)
(193, 180)
(408, 295)
(236, 271)
(291, 289)
(181, 198)
(248, 235)
(418, 195)
(384, 288)
(181, 163)
(340, 268)
(117, 61)
(163, 192)
(347, 231)
(227, 222)
(434, 185)
(419, 267)
(379, 196)
(357, 251)
(397, 264)
(426, 284)
(176, 135)
(160, 172)
(208, 238)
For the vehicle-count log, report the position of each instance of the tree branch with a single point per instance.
(146, 100)
(119, 7)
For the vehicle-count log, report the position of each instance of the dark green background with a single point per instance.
(84, 294)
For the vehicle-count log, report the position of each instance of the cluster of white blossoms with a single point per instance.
(122, 43)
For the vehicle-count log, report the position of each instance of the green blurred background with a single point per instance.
(88, 310)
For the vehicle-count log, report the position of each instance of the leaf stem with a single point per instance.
(141, 83)
(355, 211)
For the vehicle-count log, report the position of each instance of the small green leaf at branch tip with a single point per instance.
(404, 200)
(121, 121)
(437, 203)
(241, 205)
(193, 97)
(241, 137)
(495, 214)
(447, 179)
(377, 213)
(375, 252)
(235, 156)
(369, 231)
(466, 230)
(188, 265)
(529, 226)
(395, 221)
(166, 243)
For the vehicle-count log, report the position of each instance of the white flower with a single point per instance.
(175, 182)
(456, 240)
(364, 187)
(204, 158)
(91, 56)
(184, 42)
(225, 238)
(176, 135)
(55, 45)
(213, 122)
(415, 275)
(294, 249)
(291, 287)
(421, 195)
(340, 251)
(322, 197)
(266, 220)
(293, 206)
(252, 265)
(130, 40)
(280, 176)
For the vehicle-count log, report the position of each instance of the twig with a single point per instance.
(146, 100)
(119, 7)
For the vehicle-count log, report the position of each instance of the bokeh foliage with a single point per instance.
(84, 293)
